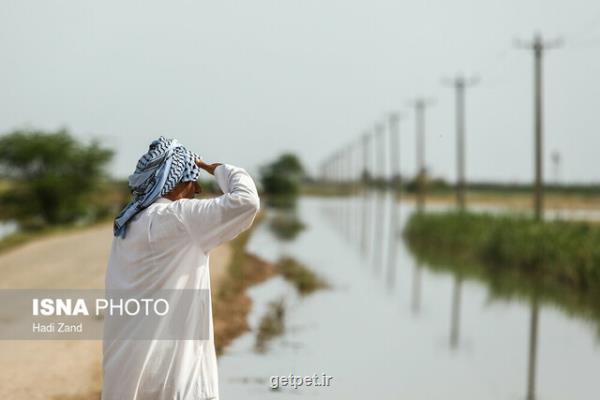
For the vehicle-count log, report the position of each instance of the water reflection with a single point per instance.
(366, 223)
(285, 225)
(455, 316)
(386, 211)
(8, 228)
(379, 228)
(393, 244)
(415, 304)
(364, 330)
(533, 339)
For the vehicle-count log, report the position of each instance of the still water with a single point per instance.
(7, 228)
(390, 328)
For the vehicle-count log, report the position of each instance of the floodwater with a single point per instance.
(391, 328)
(7, 228)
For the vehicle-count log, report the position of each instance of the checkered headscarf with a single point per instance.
(166, 164)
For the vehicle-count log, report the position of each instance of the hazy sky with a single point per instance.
(240, 82)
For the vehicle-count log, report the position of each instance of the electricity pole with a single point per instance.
(380, 138)
(394, 122)
(339, 173)
(460, 84)
(538, 46)
(348, 167)
(556, 165)
(420, 105)
(365, 176)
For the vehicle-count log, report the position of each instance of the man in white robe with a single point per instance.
(166, 246)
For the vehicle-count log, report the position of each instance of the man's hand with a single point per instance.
(210, 168)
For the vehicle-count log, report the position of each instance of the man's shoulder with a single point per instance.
(175, 208)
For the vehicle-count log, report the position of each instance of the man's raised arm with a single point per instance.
(217, 220)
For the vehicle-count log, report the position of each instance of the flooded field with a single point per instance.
(391, 327)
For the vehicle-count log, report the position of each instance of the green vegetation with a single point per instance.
(567, 251)
(299, 275)
(231, 303)
(330, 189)
(515, 196)
(438, 185)
(4, 185)
(271, 325)
(286, 226)
(53, 177)
(281, 180)
(557, 262)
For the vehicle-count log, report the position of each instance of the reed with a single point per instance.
(566, 251)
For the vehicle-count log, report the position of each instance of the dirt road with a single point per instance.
(63, 370)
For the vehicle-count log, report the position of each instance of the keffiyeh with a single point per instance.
(166, 164)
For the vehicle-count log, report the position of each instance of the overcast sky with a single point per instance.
(241, 82)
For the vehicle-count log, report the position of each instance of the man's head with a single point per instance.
(184, 190)
(166, 169)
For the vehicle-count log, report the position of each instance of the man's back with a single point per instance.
(166, 247)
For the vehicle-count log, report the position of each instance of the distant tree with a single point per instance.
(51, 174)
(282, 178)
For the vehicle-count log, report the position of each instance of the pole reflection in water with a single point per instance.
(403, 351)
(416, 289)
(365, 225)
(392, 242)
(379, 231)
(357, 217)
(533, 342)
(357, 205)
(455, 318)
(347, 222)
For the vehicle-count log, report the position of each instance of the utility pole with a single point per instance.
(420, 105)
(366, 205)
(460, 84)
(338, 168)
(348, 150)
(394, 122)
(538, 46)
(366, 159)
(379, 137)
(332, 168)
(556, 165)
(348, 164)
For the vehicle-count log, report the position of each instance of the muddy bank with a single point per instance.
(231, 303)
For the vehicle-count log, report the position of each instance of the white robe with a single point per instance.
(166, 247)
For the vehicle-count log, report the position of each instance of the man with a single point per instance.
(162, 241)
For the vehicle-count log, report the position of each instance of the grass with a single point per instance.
(235, 278)
(231, 303)
(558, 261)
(286, 225)
(4, 185)
(299, 275)
(102, 206)
(271, 325)
(564, 250)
